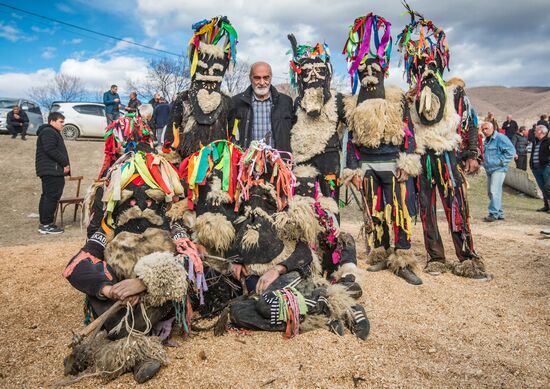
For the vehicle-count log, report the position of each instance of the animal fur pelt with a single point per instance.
(410, 164)
(180, 213)
(456, 81)
(305, 171)
(126, 248)
(89, 200)
(376, 121)
(120, 356)
(164, 276)
(441, 136)
(348, 175)
(215, 51)
(400, 259)
(437, 267)
(260, 268)
(339, 302)
(348, 268)
(216, 196)
(329, 204)
(378, 254)
(214, 231)
(470, 268)
(310, 135)
(135, 212)
(299, 222)
(313, 322)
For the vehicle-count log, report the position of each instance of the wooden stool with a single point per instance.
(77, 201)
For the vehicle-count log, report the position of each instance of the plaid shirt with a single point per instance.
(261, 124)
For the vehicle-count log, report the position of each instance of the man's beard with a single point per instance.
(260, 91)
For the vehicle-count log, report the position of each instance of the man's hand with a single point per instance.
(516, 157)
(127, 288)
(238, 271)
(401, 175)
(471, 166)
(116, 100)
(106, 291)
(66, 169)
(268, 278)
(357, 182)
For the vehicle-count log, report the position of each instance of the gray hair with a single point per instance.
(543, 128)
(488, 123)
(146, 111)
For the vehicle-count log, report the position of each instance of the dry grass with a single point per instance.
(449, 332)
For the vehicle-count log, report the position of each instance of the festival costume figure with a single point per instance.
(382, 147)
(135, 241)
(316, 143)
(199, 115)
(446, 137)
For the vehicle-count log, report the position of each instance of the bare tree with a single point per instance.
(236, 80)
(165, 75)
(63, 87)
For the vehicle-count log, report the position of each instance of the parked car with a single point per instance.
(30, 107)
(82, 119)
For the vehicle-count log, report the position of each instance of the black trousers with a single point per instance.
(52, 189)
(441, 176)
(521, 162)
(14, 130)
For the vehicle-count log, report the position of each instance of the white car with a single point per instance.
(81, 119)
(30, 107)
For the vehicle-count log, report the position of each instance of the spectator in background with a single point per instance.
(155, 100)
(543, 121)
(499, 152)
(491, 119)
(519, 140)
(510, 127)
(17, 121)
(111, 99)
(133, 104)
(52, 165)
(160, 119)
(540, 162)
(531, 135)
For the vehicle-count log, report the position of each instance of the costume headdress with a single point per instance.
(369, 37)
(302, 52)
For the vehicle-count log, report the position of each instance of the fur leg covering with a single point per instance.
(164, 276)
(470, 268)
(348, 175)
(313, 322)
(348, 268)
(339, 302)
(400, 259)
(214, 231)
(437, 267)
(378, 254)
(120, 356)
(410, 164)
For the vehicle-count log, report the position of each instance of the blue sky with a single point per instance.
(490, 44)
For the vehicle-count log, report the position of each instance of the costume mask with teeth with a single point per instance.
(311, 74)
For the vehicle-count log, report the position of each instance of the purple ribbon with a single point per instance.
(364, 46)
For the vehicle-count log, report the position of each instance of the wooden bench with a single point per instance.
(77, 201)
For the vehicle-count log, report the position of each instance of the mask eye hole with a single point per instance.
(149, 203)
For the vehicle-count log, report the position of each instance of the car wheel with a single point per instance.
(70, 132)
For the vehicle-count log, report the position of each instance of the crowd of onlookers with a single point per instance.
(510, 142)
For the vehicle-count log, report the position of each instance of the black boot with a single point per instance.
(145, 370)
(378, 266)
(336, 327)
(352, 287)
(361, 324)
(408, 275)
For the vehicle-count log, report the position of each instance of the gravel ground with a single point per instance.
(449, 332)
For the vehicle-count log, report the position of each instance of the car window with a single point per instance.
(55, 108)
(86, 109)
(33, 108)
(8, 103)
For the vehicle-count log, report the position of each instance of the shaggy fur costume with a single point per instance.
(441, 136)
(164, 276)
(340, 302)
(410, 164)
(216, 196)
(260, 268)
(120, 356)
(179, 212)
(437, 267)
(215, 232)
(378, 254)
(310, 135)
(400, 259)
(299, 222)
(348, 175)
(376, 121)
(135, 213)
(126, 248)
(470, 268)
(348, 268)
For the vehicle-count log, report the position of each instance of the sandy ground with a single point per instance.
(449, 332)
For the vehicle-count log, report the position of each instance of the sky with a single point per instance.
(492, 42)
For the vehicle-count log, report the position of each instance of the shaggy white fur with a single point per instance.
(250, 238)
(376, 120)
(305, 171)
(211, 50)
(377, 254)
(208, 101)
(260, 268)
(179, 212)
(347, 175)
(410, 164)
(214, 231)
(89, 199)
(123, 252)
(329, 204)
(135, 212)
(313, 99)
(339, 302)
(348, 268)
(164, 276)
(441, 136)
(298, 222)
(310, 135)
(400, 259)
(217, 196)
(156, 194)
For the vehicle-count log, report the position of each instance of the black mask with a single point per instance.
(430, 104)
(314, 84)
(371, 78)
(305, 187)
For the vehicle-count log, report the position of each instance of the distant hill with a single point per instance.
(525, 104)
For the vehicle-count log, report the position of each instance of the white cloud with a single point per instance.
(9, 32)
(18, 84)
(43, 30)
(48, 52)
(74, 41)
